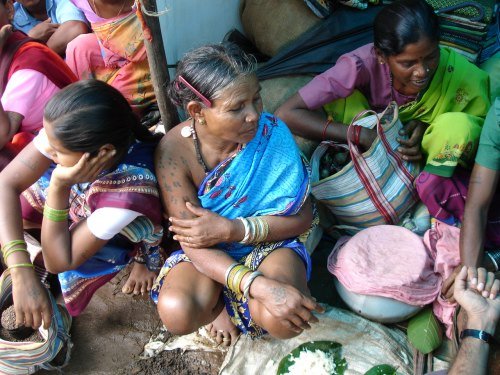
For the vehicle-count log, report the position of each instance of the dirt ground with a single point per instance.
(110, 335)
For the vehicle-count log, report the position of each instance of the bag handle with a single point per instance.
(365, 174)
(397, 162)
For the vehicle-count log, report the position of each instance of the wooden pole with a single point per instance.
(158, 65)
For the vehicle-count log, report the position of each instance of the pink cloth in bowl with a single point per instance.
(393, 262)
(388, 261)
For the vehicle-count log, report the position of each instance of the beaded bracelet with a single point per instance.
(21, 265)
(249, 281)
(55, 215)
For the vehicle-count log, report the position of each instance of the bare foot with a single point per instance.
(223, 330)
(140, 280)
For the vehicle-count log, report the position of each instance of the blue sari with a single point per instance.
(266, 177)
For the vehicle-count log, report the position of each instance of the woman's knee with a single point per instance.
(286, 266)
(178, 311)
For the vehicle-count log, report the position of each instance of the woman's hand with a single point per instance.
(410, 148)
(285, 303)
(449, 284)
(44, 30)
(85, 170)
(205, 230)
(31, 302)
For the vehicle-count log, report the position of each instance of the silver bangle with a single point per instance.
(246, 225)
(493, 260)
(251, 278)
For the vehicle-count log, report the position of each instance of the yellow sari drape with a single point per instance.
(454, 105)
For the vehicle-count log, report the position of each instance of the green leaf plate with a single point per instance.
(330, 347)
(381, 370)
(424, 331)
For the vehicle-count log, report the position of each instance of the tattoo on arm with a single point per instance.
(279, 295)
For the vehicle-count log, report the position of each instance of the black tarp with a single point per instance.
(319, 48)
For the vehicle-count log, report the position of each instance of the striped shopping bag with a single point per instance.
(28, 357)
(375, 187)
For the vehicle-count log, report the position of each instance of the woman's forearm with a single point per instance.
(482, 187)
(210, 262)
(285, 227)
(313, 125)
(56, 237)
(18, 175)
(472, 236)
(11, 224)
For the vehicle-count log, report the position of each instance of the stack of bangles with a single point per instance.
(256, 229)
(55, 215)
(235, 274)
(12, 247)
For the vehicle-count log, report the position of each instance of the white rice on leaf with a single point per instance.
(313, 362)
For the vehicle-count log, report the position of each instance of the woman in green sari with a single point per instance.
(442, 100)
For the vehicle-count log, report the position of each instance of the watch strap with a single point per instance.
(477, 334)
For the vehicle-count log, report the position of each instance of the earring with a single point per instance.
(202, 121)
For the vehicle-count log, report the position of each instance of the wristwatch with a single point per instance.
(477, 334)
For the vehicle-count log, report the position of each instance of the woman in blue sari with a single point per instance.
(236, 190)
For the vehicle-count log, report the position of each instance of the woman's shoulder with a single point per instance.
(363, 55)
(175, 143)
(177, 137)
(365, 52)
(351, 64)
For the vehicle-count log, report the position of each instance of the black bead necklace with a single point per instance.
(197, 147)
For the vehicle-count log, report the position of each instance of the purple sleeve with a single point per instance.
(348, 74)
